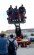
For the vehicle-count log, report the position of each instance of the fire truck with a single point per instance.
(16, 17)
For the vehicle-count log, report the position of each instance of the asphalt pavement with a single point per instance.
(26, 51)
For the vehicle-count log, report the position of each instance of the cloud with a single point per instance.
(4, 5)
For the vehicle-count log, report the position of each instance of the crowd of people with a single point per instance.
(8, 46)
(16, 13)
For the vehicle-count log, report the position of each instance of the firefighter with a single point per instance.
(22, 12)
(10, 12)
(15, 13)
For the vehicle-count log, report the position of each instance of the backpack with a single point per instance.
(11, 47)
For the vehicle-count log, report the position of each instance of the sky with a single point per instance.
(5, 4)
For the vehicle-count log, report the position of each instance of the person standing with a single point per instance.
(3, 45)
(12, 45)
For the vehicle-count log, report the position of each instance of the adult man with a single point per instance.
(16, 13)
(22, 12)
(12, 46)
(3, 45)
(10, 13)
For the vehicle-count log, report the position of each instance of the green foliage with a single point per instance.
(32, 34)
